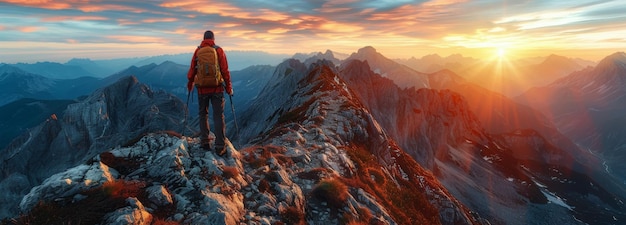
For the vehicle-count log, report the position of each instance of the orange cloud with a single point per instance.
(29, 29)
(137, 39)
(158, 20)
(46, 4)
(73, 18)
(278, 31)
(442, 2)
(108, 7)
(240, 33)
(228, 25)
(82, 5)
(180, 31)
(226, 10)
(339, 27)
(126, 22)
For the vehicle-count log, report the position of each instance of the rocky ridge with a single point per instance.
(324, 162)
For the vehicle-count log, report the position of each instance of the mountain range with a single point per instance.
(587, 106)
(510, 77)
(363, 140)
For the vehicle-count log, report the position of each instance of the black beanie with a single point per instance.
(208, 34)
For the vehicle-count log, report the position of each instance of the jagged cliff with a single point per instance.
(588, 107)
(107, 118)
(502, 176)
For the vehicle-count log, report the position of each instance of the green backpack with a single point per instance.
(208, 68)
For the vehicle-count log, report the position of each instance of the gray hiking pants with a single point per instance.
(217, 103)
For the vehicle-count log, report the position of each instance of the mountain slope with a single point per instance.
(500, 176)
(247, 84)
(54, 70)
(587, 106)
(16, 83)
(167, 76)
(301, 103)
(499, 114)
(19, 116)
(109, 117)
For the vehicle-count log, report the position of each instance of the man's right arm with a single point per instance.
(192, 67)
(192, 71)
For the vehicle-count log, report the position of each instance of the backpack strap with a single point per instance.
(217, 56)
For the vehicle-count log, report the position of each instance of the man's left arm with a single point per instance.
(224, 70)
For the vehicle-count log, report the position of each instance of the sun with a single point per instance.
(501, 52)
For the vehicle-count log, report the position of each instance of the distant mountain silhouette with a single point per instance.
(433, 63)
(16, 83)
(55, 70)
(402, 75)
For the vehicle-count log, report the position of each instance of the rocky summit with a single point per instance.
(323, 162)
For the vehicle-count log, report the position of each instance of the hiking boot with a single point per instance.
(220, 150)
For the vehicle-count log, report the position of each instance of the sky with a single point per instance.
(58, 30)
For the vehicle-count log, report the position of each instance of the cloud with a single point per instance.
(46, 4)
(29, 29)
(72, 18)
(226, 9)
(442, 3)
(137, 39)
(307, 25)
(109, 7)
(159, 20)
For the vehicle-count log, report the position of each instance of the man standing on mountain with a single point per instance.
(209, 73)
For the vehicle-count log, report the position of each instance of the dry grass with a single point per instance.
(230, 172)
(404, 201)
(333, 191)
(292, 215)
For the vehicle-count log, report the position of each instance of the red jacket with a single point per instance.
(223, 68)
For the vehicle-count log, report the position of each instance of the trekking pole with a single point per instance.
(232, 107)
(186, 113)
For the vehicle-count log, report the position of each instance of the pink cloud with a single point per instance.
(82, 5)
(157, 20)
(72, 18)
(109, 7)
(137, 39)
(29, 29)
(227, 10)
(46, 4)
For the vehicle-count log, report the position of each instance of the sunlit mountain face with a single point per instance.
(455, 139)
(588, 106)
